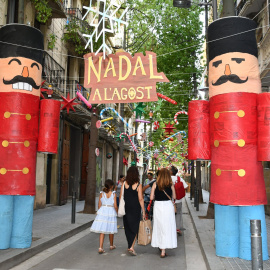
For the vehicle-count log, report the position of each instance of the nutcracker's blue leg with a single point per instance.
(246, 213)
(22, 222)
(226, 231)
(6, 216)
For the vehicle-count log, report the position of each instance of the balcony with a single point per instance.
(53, 73)
(58, 8)
(249, 8)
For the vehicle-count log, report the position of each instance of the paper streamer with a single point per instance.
(167, 99)
(133, 135)
(132, 144)
(178, 113)
(143, 121)
(84, 100)
(181, 132)
(111, 109)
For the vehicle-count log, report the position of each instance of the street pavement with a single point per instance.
(58, 244)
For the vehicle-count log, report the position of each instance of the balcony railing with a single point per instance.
(74, 12)
(53, 73)
(240, 6)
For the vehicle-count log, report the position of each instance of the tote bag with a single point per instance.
(121, 209)
(145, 232)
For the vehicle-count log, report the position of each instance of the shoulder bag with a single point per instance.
(121, 209)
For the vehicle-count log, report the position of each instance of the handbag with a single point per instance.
(179, 189)
(121, 209)
(145, 232)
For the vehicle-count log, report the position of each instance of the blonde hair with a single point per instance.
(164, 179)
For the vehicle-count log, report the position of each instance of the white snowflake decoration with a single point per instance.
(105, 14)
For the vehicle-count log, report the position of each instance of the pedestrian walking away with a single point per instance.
(178, 203)
(133, 204)
(106, 219)
(164, 228)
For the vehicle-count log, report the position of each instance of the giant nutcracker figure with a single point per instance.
(21, 130)
(230, 130)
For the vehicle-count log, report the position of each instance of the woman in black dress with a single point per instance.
(133, 204)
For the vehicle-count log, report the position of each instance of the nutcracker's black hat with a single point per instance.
(232, 34)
(19, 40)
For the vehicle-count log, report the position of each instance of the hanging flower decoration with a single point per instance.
(151, 144)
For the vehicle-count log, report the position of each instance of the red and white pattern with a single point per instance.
(132, 144)
(151, 144)
(175, 116)
(156, 125)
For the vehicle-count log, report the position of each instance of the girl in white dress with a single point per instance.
(106, 219)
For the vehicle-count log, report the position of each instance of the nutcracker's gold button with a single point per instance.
(218, 172)
(241, 113)
(5, 143)
(28, 116)
(26, 143)
(3, 171)
(216, 115)
(241, 173)
(216, 143)
(241, 143)
(7, 114)
(25, 170)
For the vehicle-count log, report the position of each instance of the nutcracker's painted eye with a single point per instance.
(35, 65)
(217, 63)
(238, 60)
(15, 60)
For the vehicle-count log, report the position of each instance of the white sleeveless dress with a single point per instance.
(106, 219)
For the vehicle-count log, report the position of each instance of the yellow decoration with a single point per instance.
(3, 171)
(216, 143)
(218, 172)
(241, 173)
(28, 116)
(26, 143)
(241, 113)
(25, 170)
(241, 143)
(5, 143)
(7, 114)
(216, 115)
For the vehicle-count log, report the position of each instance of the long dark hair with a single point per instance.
(132, 175)
(109, 184)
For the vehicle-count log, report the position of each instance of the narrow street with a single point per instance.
(80, 252)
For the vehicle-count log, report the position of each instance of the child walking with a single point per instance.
(106, 219)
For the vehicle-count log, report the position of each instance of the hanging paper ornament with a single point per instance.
(142, 121)
(178, 113)
(151, 144)
(111, 129)
(125, 161)
(139, 109)
(98, 124)
(83, 99)
(156, 125)
(143, 136)
(97, 152)
(155, 156)
(109, 155)
(169, 128)
(167, 98)
(68, 103)
(179, 137)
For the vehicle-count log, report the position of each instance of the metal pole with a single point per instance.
(256, 244)
(214, 5)
(73, 208)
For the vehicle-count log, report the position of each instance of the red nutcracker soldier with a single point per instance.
(225, 130)
(21, 55)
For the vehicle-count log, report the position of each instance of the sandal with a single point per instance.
(112, 247)
(163, 255)
(101, 251)
(132, 252)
